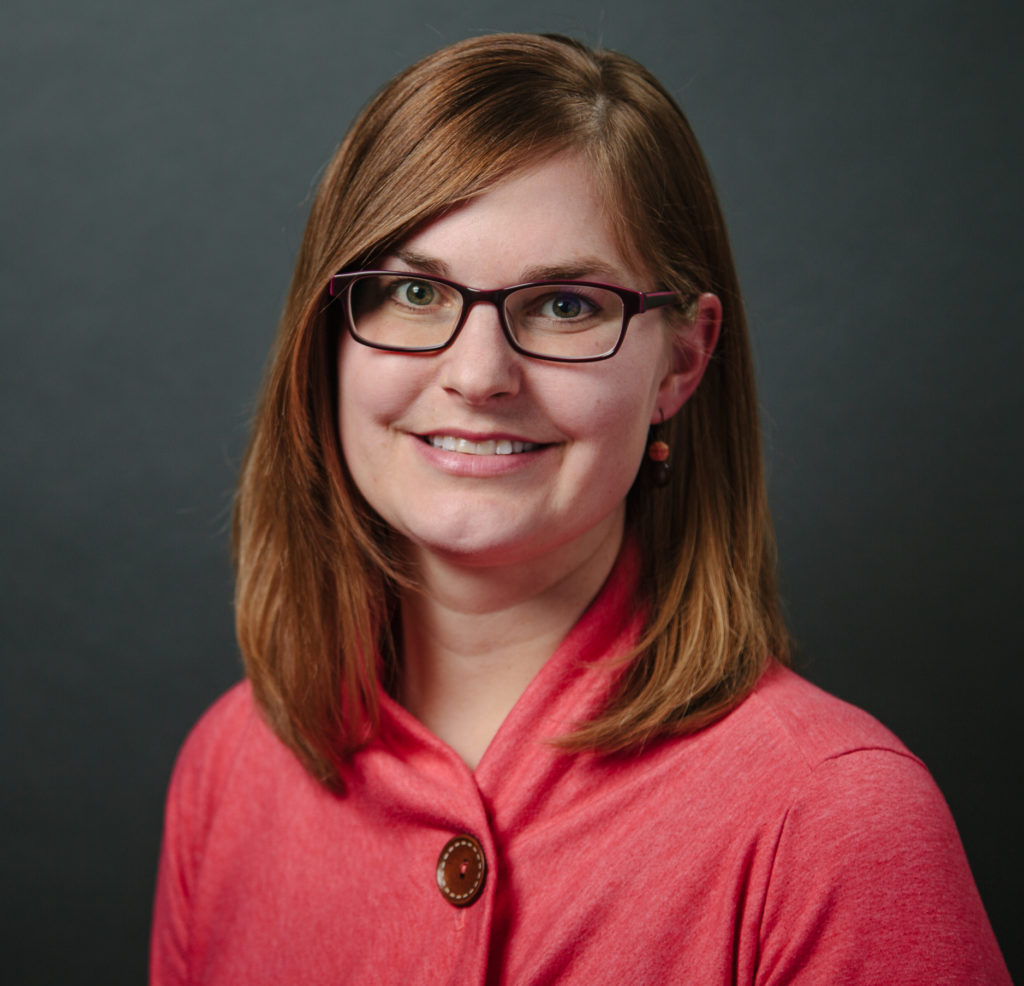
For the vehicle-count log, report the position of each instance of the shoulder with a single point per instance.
(786, 737)
(205, 764)
(228, 716)
(226, 740)
(841, 777)
(864, 849)
(215, 739)
(813, 725)
(792, 758)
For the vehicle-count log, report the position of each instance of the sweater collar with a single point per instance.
(570, 688)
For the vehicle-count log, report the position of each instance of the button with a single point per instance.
(461, 869)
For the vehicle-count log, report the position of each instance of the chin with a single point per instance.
(529, 544)
(477, 550)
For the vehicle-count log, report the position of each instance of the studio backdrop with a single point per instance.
(158, 163)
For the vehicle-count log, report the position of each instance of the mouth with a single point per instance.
(494, 446)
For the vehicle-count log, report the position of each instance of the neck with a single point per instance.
(474, 637)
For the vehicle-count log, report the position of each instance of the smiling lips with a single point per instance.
(499, 446)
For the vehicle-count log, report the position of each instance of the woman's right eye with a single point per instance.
(417, 294)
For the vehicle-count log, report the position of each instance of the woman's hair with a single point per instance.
(317, 573)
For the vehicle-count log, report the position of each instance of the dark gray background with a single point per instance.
(157, 165)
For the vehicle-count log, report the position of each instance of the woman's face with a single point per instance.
(583, 426)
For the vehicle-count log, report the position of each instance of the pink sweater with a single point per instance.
(794, 841)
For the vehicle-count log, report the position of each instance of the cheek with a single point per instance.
(366, 402)
(372, 389)
(613, 405)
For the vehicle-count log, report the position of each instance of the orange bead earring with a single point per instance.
(658, 452)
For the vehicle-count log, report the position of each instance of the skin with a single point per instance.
(509, 549)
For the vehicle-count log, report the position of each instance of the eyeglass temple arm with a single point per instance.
(659, 299)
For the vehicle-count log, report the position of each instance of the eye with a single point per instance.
(419, 294)
(566, 305)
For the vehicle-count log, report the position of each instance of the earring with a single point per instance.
(658, 452)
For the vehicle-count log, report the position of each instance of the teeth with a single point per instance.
(501, 446)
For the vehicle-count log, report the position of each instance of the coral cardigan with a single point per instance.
(794, 841)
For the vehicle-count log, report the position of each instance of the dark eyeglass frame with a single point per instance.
(633, 303)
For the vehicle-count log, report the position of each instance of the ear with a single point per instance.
(691, 352)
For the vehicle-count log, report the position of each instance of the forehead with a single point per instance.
(548, 220)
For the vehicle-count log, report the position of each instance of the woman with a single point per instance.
(516, 707)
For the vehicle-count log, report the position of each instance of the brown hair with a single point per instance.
(317, 578)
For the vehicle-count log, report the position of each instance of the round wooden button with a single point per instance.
(461, 869)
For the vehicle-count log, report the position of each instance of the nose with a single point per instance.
(480, 365)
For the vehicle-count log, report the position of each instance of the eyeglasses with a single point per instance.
(564, 321)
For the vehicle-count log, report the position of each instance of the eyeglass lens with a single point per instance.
(555, 320)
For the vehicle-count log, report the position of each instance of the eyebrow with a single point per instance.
(584, 268)
(420, 262)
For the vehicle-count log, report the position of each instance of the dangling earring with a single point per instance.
(658, 452)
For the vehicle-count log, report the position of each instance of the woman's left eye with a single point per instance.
(566, 305)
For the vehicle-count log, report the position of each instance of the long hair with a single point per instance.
(317, 575)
